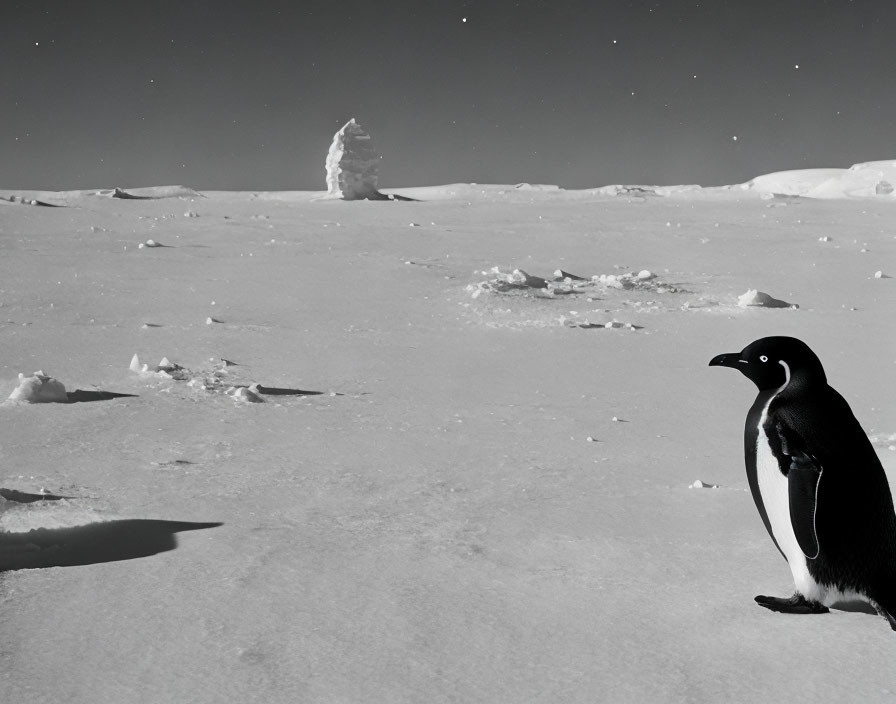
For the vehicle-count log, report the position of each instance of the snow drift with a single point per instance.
(873, 179)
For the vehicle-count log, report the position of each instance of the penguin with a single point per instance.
(817, 482)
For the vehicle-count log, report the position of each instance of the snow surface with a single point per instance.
(466, 522)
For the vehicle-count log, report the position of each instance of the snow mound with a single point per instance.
(872, 179)
(39, 388)
(760, 299)
(150, 192)
(703, 485)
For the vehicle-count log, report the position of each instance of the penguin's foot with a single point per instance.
(797, 604)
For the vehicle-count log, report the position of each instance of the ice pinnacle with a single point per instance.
(353, 164)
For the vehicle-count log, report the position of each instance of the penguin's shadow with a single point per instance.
(91, 544)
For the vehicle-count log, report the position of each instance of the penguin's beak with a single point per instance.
(729, 359)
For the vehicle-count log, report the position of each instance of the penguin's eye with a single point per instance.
(763, 358)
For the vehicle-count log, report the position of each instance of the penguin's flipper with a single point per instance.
(803, 481)
(797, 604)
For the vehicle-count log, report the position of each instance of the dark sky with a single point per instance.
(224, 94)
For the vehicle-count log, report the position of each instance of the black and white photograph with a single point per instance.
(447, 351)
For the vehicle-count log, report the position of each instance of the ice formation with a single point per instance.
(39, 388)
(565, 283)
(165, 369)
(353, 164)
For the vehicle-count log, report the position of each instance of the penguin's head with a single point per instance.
(770, 362)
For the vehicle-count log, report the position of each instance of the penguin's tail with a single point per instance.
(890, 615)
(887, 609)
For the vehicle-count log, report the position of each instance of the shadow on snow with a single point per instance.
(90, 544)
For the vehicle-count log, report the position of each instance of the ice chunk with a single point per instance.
(242, 393)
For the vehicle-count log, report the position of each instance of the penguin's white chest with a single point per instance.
(775, 493)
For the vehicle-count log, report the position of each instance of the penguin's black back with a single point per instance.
(854, 519)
